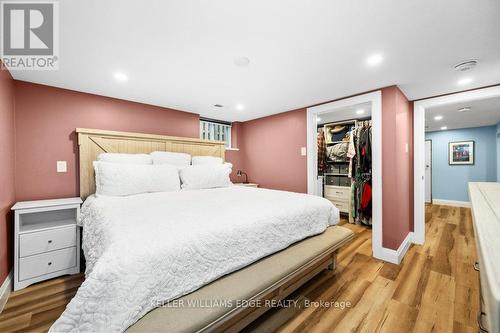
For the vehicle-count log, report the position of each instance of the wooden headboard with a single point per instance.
(93, 142)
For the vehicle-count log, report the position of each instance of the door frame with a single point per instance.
(431, 165)
(375, 98)
(419, 147)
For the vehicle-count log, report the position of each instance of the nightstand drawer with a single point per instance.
(41, 264)
(49, 240)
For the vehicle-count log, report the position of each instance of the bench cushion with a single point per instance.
(240, 285)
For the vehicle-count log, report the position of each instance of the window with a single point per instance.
(215, 130)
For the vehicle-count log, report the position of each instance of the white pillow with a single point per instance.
(165, 157)
(197, 160)
(205, 176)
(116, 179)
(125, 158)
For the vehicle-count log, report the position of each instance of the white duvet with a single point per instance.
(146, 249)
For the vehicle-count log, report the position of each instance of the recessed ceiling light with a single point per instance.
(464, 81)
(438, 117)
(360, 111)
(119, 76)
(240, 107)
(444, 128)
(241, 61)
(464, 109)
(218, 105)
(374, 60)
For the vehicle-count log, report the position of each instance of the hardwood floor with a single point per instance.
(435, 289)
(36, 307)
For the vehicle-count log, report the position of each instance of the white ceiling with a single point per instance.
(180, 54)
(346, 113)
(483, 112)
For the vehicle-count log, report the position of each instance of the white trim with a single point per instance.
(5, 290)
(232, 149)
(375, 98)
(396, 256)
(453, 203)
(419, 147)
(418, 174)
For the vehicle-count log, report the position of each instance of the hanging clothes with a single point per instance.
(351, 151)
(360, 154)
(321, 142)
(366, 196)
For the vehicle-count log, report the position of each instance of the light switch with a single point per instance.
(303, 151)
(62, 166)
(406, 148)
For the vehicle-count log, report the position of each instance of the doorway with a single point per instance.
(428, 171)
(443, 124)
(344, 161)
(314, 186)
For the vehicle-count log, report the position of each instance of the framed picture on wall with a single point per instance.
(461, 153)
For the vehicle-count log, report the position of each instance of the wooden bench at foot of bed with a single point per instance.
(271, 278)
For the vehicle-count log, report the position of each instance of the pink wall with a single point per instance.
(397, 170)
(270, 150)
(46, 119)
(270, 154)
(7, 185)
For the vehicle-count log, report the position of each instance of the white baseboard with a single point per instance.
(453, 203)
(395, 256)
(5, 290)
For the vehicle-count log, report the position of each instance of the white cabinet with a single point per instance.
(339, 196)
(485, 200)
(46, 240)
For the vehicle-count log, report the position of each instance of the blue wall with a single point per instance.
(449, 182)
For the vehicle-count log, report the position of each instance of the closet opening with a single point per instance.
(344, 163)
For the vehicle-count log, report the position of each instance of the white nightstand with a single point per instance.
(247, 184)
(46, 240)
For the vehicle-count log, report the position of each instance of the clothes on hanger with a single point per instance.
(361, 173)
(351, 151)
(321, 142)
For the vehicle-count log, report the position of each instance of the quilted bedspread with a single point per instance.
(145, 249)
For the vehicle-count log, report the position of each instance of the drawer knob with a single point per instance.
(50, 263)
(50, 241)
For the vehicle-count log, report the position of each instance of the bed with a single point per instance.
(147, 251)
